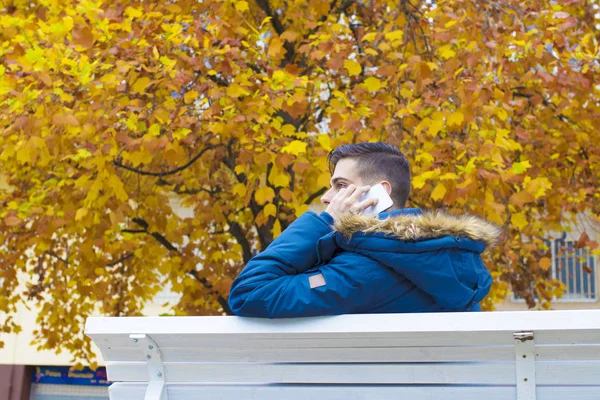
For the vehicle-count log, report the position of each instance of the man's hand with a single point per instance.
(346, 201)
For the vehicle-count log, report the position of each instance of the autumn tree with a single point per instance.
(115, 114)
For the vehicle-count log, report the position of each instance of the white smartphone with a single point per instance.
(379, 192)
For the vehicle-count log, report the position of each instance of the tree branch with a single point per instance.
(177, 188)
(222, 301)
(159, 238)
(279, 29)
(170, 172)
(240, 236)
(120, 260)
(50, 253)
(315, 195)
(266, 7)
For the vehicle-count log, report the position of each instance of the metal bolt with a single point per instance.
(524, 356)
(150, 347)
(148, 356)
(525, 379)
(135, 340)
(159, 374)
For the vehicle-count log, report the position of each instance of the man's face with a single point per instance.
(344, 174)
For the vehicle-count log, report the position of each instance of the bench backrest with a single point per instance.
(468, 356)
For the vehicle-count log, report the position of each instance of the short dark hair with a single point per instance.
(377, 161)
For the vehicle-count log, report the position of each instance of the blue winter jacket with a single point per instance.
(404, 261)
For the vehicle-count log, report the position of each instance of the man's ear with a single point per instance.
(387, 186)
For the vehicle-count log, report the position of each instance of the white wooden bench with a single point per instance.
(544, 355)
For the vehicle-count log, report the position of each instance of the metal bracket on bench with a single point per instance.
(525, 363)
(157, 389)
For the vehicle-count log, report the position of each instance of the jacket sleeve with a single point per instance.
(275, 283)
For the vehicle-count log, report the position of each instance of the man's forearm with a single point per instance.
(292, 253)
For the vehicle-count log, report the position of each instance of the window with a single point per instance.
(576, 268)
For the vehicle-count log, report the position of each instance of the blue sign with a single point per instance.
(69, 376)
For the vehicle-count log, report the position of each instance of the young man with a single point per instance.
(342, 262)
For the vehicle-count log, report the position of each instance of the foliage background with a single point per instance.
(113, 113)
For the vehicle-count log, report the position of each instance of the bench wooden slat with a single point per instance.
(356, 354)
(332, 340)
(547, 373)
(134, 391)
(351, 325)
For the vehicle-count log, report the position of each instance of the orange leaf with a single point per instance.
(84, 37)
(521, 198)
(583, 241)
(12, 220)
(545, 263)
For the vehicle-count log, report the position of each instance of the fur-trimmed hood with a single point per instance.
(438, 252)
(424, 226)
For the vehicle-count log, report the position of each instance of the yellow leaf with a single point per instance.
(239, 189)
(538, 186)
(270, 210)
(353, 67)
(241, 6)
(501, 113)
(301, 209)
(372, 84)
(82, 154)
(140, 85)
(133, 13)
(24, 155)
(446, 51)
(280, 180)
(81, 213)
(99, 271)
(405, 93)
(264, 195)
(323, 179)
(68, 23)
(325, 141)
(235, 90)
(545, 263)
(154, 130)
(288, 130)
(394, 35)
(456, 119)
(167, 62)
(419, 181)
(369, 37)
(181, 133)
(439, 192)
(135, 158)
(518, 220)
(434, 127)
(117, 187)
(520, 167)
(449, 176)
(295, 147)
(276, 228)
(190, 96)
